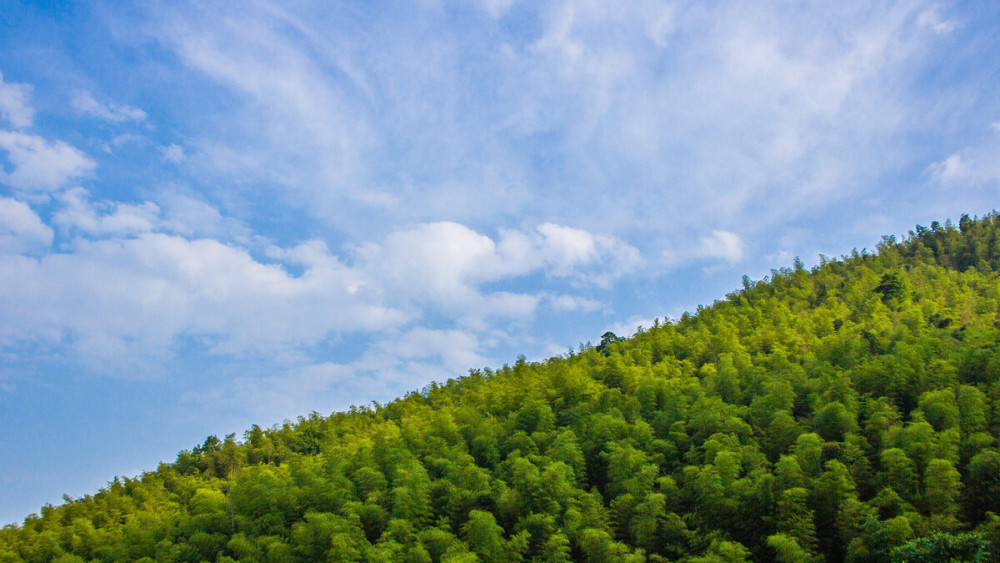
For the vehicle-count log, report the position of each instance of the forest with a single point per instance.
(846, 412)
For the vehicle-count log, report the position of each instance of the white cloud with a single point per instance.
(106, 218)
(724, 111)
(972, 167)
(566, 247)
(41, 165)
(173, 153)
(502, 304)
(744, 107)
(21, 230)
(103, 295)
(121, 140)
(457, 350)
(440, 266)
(660, 22)
(722, 245)
(497, 8)
(573, 303)
(445, 263)
(949, 169)
(718, 248)
(932, 18)
(122, 266)
(187, 213)
(439, 259)
(314, 134)
(84, 102)
(567, 251)
(176, 210)
(14, 104)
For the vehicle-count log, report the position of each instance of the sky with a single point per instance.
(219, 214)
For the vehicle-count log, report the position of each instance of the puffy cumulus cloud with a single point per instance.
(40, 165)
(21, 229)
(444, 263)
(456, 350)
(84, 102)
(949, 169)
(723, 245)
(973, 167)
(567, 250)
(717, 246)
(566, 247)
(438, 259)
(14, 106)
(129, 282)
(140, 294)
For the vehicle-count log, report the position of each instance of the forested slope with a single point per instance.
(848, 412)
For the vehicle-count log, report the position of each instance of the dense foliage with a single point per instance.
(850, 412)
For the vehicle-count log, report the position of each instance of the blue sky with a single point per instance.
(220, 214)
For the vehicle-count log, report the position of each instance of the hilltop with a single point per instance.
(846, 412)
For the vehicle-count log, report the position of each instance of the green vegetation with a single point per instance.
(850, 412)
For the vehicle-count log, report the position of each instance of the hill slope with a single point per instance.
(847, 412)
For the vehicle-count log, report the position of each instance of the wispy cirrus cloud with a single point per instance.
(313, 133)
(932, 18)
(86, 103)
(724, 112)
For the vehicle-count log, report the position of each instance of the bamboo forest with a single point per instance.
(844, 412)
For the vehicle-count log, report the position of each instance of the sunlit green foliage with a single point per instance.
(850, 412)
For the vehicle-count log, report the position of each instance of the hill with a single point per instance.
(847, 412)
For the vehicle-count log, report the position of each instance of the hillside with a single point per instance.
(847, 412)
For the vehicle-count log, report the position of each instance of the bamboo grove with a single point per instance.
(848, 412)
